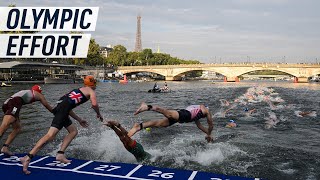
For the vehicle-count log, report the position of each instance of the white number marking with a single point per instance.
(12, 159)
(58, 164)
(107, 168)
(157, 173)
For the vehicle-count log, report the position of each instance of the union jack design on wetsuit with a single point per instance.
(76, 97)
(67, 102)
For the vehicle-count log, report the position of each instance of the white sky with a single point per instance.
(208, 30)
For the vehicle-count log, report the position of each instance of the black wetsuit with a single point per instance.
(65, 104)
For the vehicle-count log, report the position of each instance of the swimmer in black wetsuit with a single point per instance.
(131, 145)
(61, 119)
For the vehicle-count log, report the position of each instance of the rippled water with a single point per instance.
(290, 150)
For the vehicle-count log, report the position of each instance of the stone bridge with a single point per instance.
(301, 72)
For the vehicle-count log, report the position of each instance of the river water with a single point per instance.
(289, 149)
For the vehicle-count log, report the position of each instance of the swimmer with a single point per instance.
(306, 113)
(62, 111)
(11, 109)
(192, 113)
(131, 145)
(231, 124)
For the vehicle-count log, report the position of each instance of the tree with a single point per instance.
(94, 57)
(146, 55)
(118, 56)
(133, 59)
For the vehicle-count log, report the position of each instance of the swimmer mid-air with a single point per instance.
(192, 113)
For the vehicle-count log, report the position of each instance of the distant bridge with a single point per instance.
(301, 72)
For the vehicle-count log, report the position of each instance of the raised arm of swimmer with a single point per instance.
(94, 104)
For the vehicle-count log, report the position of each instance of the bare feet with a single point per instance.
(62, 158)
(134, 129)
(25, 163)
(143, 107)
(5, 150)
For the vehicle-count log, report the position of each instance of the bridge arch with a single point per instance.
(264, 69)
(230, 71)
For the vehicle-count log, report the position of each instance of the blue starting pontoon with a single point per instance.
(47, 168)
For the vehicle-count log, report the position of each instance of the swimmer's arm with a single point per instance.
(123, 130)
(82, 122)
(74, 116)
(43, 101)
(95, 105)
(210, 123)
(202, 128)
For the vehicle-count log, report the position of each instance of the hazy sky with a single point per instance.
(208, 30)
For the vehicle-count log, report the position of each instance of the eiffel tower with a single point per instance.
(138, 46)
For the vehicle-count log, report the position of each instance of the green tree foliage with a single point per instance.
(118, 56)
(94, 57)
(133, 59)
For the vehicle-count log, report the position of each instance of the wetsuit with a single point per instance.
(65, 104)
(137, 150)
(190, 114)
(13, 104)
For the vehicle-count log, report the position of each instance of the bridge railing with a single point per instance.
(264, 65)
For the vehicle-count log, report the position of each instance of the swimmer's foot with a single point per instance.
(143, 107)
(136, 127)
(60, 157)
(5, 151)
(25, 163)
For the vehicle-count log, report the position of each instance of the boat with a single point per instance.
(61, 79)
(5, 85)
(47, 167)
(159, 90)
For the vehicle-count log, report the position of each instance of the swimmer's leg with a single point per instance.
(51, 134)
(170, 114)
(152, 123)
(72, 133)
(16, 129)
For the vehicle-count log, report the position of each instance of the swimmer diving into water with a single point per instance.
(192, 113)
(131, 145)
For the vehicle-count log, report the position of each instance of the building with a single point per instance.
(34, 71)
(104, 51)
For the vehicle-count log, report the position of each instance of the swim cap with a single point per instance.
(89, 81)
(231, 121)
(36, 88)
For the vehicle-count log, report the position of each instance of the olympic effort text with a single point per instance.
(46, 19)
(44, 45)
